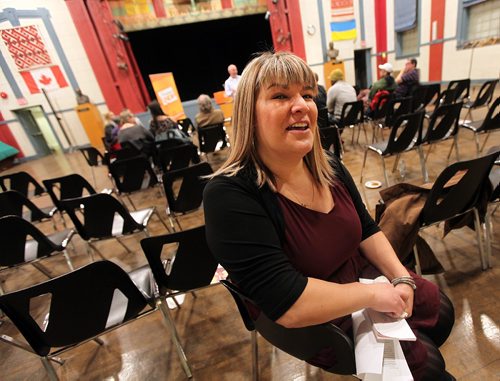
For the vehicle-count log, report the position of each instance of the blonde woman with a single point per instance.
(288, 224)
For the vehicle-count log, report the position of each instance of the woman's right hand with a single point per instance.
(388, 299)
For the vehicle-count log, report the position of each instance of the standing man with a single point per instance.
(231, 83)
(407, 79)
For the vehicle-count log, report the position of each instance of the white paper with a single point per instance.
(380, 357)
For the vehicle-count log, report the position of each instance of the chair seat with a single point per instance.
(378, 147)
(60, 239)
(473, 125)
(142, 216)
(143, 279)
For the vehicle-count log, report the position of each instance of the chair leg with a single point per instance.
(161, 220)
(476, 138)
(485, 140)
(95, 249)
(68, 260)
(51, 372)
(175, 337)
(418, 268)
(131, 202)
(42, 269)
(363, 167)
(487, 237)
(479, 235)
(425, 175)
(396, 162)
(255, 356)
(385, 171)
(125, 246)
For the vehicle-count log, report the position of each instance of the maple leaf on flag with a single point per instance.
(44, 80)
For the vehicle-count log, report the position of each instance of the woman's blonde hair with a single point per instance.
(267, 68)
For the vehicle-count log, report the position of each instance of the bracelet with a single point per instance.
(405, 280)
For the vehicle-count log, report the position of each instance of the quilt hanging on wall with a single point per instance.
(343, 23)
(28, 51)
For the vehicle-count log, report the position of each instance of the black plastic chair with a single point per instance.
(424, 95)
(212, 138)
(133, 175)
(93, 158)
(377, 116)
(184, 190)
(68, 186)
(18, 250)
(490, 123)
(483, 98)
(177, 157)
(330, 140)
(82, 305)
(101, 216)
(302, 343)
(465, 196)
(14, 203)
(22, 182)
(405, 135)
(457, 91)
(443, 125)
(186, 126)
(189, 266)
(396, 107)
(352, 115)
(322, 118)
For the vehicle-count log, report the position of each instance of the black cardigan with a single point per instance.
(245, 231)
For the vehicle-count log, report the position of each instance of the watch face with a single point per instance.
(374, 184)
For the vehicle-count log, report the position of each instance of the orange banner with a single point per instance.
(167, 94)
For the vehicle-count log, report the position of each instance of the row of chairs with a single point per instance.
(112, 298)
(408, 133)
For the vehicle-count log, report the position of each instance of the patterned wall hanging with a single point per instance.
(343, 23)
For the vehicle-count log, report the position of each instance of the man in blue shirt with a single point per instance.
(407, 79)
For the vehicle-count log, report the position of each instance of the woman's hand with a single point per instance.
(391, 300)
(408, 295)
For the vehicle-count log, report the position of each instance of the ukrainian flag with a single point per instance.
(343, 30)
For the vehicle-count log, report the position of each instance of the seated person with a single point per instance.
(320, 99)
(285, 219)
(209, 116)
(341, 92)
(386, 81)
(135, 135)
(407, 79)
(111, 129)
(164, 127)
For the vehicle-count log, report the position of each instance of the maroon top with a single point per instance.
(326, 246)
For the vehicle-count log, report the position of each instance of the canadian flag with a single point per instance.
(48, 78)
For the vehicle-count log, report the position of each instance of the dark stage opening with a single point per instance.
(198, 54)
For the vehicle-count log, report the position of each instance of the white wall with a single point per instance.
(62, 99)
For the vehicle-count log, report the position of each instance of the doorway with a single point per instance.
(38, 130)
(362, 68)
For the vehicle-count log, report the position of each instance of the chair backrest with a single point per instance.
(177, 157)
(444, 122)
(407, 130)
(492, 119)
(69, 186)
(458, 90)
(485, 93)
(22, 182)
(14, 232)
(323, 118)
(14, 203)
(82, 304)
(134, 174)
(126, 151)
(396, 108)
(302, 343)
(190, 191)
(423, 95)
(209, 136)
(193, 265)
(100, 216)
(352, 113)
(330, 137)
(382, 104)
(186, 125)
(444, 203)
(92, 156)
